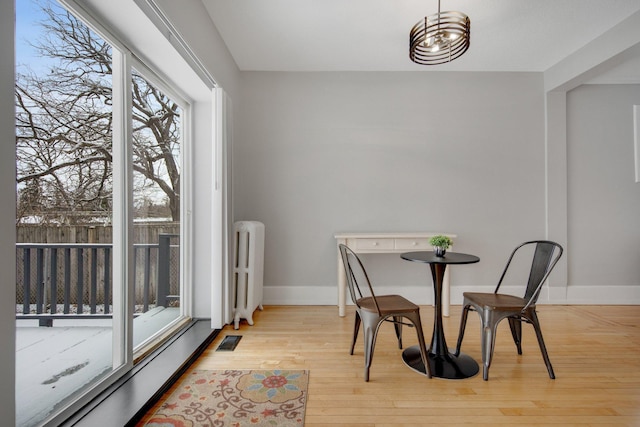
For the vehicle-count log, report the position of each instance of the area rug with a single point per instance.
(234, 399)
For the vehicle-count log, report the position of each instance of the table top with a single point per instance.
(391, 235)
(430, 257)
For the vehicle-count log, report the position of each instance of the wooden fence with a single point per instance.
(143, 233)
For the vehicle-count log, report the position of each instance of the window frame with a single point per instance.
(186, 309)
(124, 60)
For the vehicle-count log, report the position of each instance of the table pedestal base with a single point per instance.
(449, 366)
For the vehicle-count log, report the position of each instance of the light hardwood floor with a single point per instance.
(595, 352)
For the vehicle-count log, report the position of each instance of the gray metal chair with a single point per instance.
(372, 310)
(494, 307)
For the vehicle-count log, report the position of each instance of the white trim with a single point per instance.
(221, 210)
(217, 265)
(603, 295)
(172, 91)
(187, 239)
(636, 139)
(228, 208)
(89, 20)
(300, 295)
(169, 31)
(122, 219)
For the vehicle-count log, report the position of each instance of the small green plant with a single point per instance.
(441, 241)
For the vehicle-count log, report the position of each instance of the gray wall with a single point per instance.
(603, 197)
(7, 215)
(319, 153)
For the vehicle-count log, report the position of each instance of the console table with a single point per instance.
(386, 243)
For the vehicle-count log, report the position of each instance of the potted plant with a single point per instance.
(440, 244)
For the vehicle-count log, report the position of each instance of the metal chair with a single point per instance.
(493, 307)
(372, 310)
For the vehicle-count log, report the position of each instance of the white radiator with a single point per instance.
(248, 269)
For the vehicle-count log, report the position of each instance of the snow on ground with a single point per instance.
(53, 363)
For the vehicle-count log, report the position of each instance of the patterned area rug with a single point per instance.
(234, 399)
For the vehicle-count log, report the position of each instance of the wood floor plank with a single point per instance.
(594, 351)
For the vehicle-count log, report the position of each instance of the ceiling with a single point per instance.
(373, 35)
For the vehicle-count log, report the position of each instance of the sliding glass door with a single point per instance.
(99, 143)
(156, 158)
(64, 219)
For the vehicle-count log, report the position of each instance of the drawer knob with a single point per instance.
(375, 243)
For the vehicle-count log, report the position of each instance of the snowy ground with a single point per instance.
(53, 363)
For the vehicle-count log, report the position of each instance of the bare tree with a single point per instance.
(64, 127)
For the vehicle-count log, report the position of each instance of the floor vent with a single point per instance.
(229, 343)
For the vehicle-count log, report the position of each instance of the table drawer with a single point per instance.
(413, 244)
(374, 244)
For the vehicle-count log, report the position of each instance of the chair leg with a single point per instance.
(424, 352)
(397, 324)
(356, 329)
(488, 342)
(516, 332)
(370, 326)
(463, 325)
(533, 317)
(368, 350)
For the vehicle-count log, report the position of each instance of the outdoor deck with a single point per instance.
(55, 362)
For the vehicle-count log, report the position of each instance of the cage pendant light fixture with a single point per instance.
(440, 38)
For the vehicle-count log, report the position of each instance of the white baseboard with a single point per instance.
(603, 295)
(299, 295)
(584, 295)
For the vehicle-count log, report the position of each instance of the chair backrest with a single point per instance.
(545, 257)
(357, 277)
